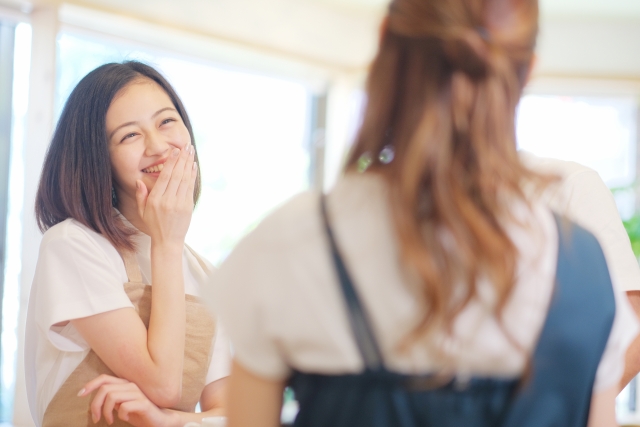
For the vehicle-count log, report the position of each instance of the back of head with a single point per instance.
(442, 92)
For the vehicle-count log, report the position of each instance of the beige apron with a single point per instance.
(66, 409)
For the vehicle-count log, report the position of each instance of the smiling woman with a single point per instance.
(116, 196)
(139, 149)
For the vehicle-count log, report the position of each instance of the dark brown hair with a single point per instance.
(442, 92)
(76, 180)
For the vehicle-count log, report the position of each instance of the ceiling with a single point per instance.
(594, 8)
(341, 34)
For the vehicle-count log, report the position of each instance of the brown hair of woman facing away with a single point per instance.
(76, 180)
(443, 91)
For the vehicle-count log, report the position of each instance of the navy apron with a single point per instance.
(556, 392)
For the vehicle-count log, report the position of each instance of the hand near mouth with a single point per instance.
(166, 209)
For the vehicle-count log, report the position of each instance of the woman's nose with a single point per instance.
(155, 144)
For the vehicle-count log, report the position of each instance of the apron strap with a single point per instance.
(360, 325)
(573, 338)
(204, 264)
(131, 266)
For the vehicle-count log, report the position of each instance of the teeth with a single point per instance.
(154, 169)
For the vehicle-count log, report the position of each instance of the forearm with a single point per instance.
(213, 402)
(166, 332)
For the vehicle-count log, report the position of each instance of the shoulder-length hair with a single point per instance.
(76, 180)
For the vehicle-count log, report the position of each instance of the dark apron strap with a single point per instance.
(360, 325)
(573, 338)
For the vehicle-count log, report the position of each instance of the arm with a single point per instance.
(153, 358)
(213, 403)
(632, 358)
(253, 401)
(603, 408)
(131, 405)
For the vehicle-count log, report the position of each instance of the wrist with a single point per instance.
(171, 419)
(168, 248)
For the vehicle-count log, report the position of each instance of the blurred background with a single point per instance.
(274, 89)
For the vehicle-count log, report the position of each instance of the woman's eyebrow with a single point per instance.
(133, 123)
(163, 109)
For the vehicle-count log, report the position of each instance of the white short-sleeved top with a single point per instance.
(582, 196)
(79, 273)
(280, 301)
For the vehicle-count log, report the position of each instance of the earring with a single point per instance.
(387, 154)
(114, 198)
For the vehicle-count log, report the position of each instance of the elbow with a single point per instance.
(166, 395)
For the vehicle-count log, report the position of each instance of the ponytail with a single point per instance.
(443, 91)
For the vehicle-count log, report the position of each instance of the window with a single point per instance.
(19, 44)
(597, 132)
(251, 132)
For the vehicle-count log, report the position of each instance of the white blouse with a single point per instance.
(79, 274)
(280, 301)
(582, 196)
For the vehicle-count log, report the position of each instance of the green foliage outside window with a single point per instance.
(632, 224)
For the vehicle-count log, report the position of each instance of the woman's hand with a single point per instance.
(166, 210)
(127, 401)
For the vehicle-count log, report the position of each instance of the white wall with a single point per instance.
(604, 48)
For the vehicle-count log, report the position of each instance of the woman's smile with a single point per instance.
(155, 168)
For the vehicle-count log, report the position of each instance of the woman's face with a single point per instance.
(143, 127)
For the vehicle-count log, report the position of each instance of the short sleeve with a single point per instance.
(241, 294)
(220, 365)
(624, 330)
(74, 278)
(590, 203)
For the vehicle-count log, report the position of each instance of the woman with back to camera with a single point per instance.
(117, 191)
(429, 287)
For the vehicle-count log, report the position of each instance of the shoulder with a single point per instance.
(299, 218)
(580, 188)
(268, 254)
(69, 231)
(293, 220)
(70, 241)
(566, 169)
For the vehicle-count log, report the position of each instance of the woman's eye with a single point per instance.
(165, 121)
(127, 136)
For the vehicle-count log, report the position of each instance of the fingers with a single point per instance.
(165, 175)
(192, 185)
(110, 396)
(117, 395)
(131, 407)
(142, 193)
(98, 382)
(183, 167)
(188, 179)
